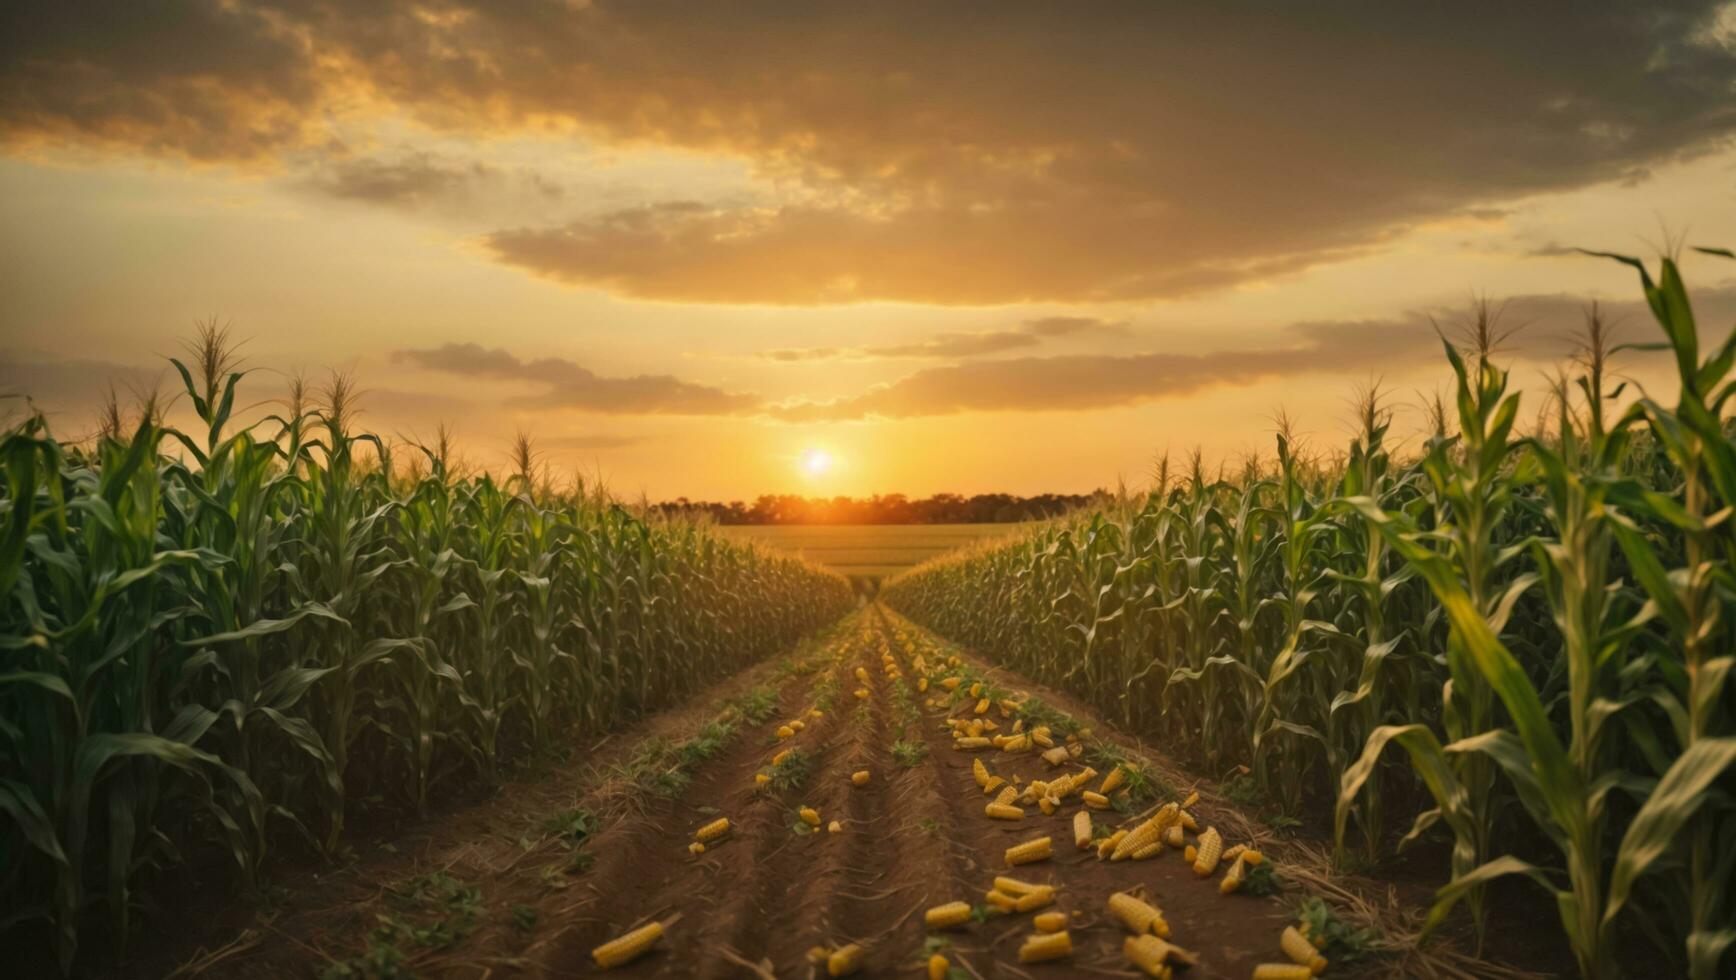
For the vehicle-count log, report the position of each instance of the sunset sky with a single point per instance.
(954, 247)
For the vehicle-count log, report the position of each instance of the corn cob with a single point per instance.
(1173, 837)
(1145, 833)
(1054, 756)
(1046, 946)
(1113, 781)
(1108, 845)
(970, 743)
(861, 694)
(938, 967)
(785, 731)
(1034, 790)
(1000, 900)
(1016, 743)
(1096, 801)
(1042, 736)
(760, 779)
(1082, 829)
(1047, 804)
(1007, 795)
(1000, 811)
(834, 827)
(1147, 852)
(1233, 852)
(797, 725)
(1138, 916)
(989, 725)
(696, 848)
(1188, 821)
(922, 686)
(948, 915)
(1192, 798)
(815, 713)
(1018, 726)
(1153, 955)
(950, 683)
(628, 947)
(844, 961)
(1016, 886)
(1050, 921)
(1300, 950)
(982, 706)
(1211, 848)
(1191, 854)
(1042, 897)
(1233, 878)
(976, 690)
(975, 728)
(778, 760)
(862, 674)
(859, 777)
(809, 815)
(713, 830)
(1037, 849)
(980, 771)
(1008, 707)
(1282, 971)
(1253, 857)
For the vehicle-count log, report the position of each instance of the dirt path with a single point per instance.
(537, 887)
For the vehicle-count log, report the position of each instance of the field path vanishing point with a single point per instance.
(756, 901)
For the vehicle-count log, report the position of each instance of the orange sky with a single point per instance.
(961, 247)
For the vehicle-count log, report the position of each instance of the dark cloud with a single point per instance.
(1546, 325)
(955, 345)
(566, 384)
(950, 153)
(418, 179)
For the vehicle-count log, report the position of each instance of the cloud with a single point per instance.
(956, 345)
(1381, 346)
(419, 180)
(567, 384)
(590, 440)
(956, 153)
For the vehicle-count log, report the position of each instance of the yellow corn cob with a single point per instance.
(922, 686)
(785, 731)
(982, 706)
(815, 713)
(971, 743)
(1000, 811)
(1000, 741)
(1211, 848)
(778, 760)
(975, 728)
(1042, 736)
(1253, 857)
(1008, 707)
(713, 830)
(844, 961)
(1016, 886)
(1037, 849)
(1232, 853)
(1188, 821)
(1104, 849)
(1147, 852)
(629, 947)
(980, 771)
(798, 724)
(1192, 798)
(1138, 916)
(1046, 946)
(1043, 897)
(1153, 955)
(1282, 971)
(997, 783)
(1082, 830)
(862, 674)
(976, 690)
(1047, 804)
(1113, 781)
(1300, 950)
(1233, 877)
(1191, 854)
(1018, 726)
(1007, 795)
(1050, 921)
(1036, 789)
(760, 779)
(859, 777)
(948, 915)
(809, 815)
(989, 725)
(1145, 833)
(950, 683)
(938, 967)
(1173, 837)
(1096, 801)
(861, 695)
(696, 848)
(1016, 743)
(1000, 900)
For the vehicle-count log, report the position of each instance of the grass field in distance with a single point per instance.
(868, 550)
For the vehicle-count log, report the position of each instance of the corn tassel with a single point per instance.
(948, 915)
(628, 947)
(1046, 946)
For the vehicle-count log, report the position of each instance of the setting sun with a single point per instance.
(816, 462)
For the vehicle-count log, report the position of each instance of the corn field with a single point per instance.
(218, 641)
(1544, 624)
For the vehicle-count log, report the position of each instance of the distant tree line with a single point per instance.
(893, 508)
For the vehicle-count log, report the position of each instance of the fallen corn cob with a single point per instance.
(937, 964)
(1000, 811)
(859, 777)
(1107, 845)
(834, 827)
(1153, 955)
(1211, 848)
(1046, 946)
(1140, 917)
(711, 831)
(760, 779)
(1096, 801)
(809, 815)
(1113, 781)
(628, 947)
(1037, 849)
(1082, 830)
(1001, 900)
(994, 783)
(1233, 878)
(948, 915)
(1147, 852)
(1173, 837)
(1282, 971)
(982, 706)
(971, 742)
(980, 771)
(1054, 756)
(778, 760)
(696, 848)
(785, 731)
(844, 961)
(1050, 921)
(1300, 950)
(1042, 897)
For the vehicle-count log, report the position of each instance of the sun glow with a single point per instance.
(816, 462)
